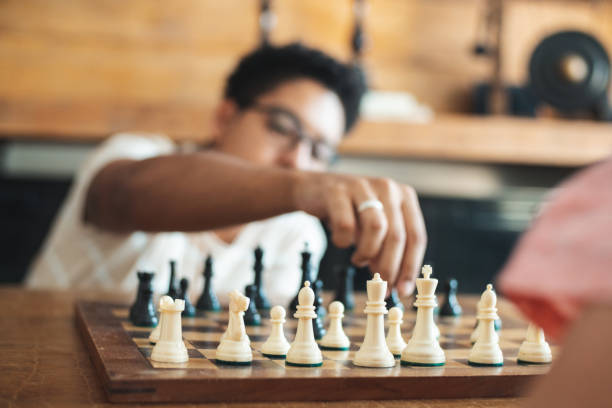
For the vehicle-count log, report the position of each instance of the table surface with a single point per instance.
(44, 361)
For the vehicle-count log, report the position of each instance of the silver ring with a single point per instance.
(376, 204)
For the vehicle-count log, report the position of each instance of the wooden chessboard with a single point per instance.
(120, 352)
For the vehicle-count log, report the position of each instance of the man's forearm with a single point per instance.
(190, 192)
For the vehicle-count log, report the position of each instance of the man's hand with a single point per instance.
(390, 240)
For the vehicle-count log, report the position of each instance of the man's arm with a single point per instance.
(190, 192)
(207, 190)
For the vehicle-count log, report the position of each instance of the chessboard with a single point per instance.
(121, 355)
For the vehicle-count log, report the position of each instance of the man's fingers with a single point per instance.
(372, 224)
(341, 216)
(416, 242)
(388, 261)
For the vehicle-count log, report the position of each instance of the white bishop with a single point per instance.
(486, 350)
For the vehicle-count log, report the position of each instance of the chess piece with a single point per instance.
(306, 276)
(393, 300)
(423, 348)
(251, 316)
(477, 328)
(184, 295)
(486, 350)
(172, 290)
(317, 288)
(335, 339)
(208, 301)
(154, 336)
(450, 305)
(374, 351)
(395, 342)
(344, 288)
(277, 345)
(142, 312)
(304, 351)
(535, 349)
(235, 347)
(261, 302)
(170, 348)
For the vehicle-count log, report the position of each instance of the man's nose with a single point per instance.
(296, 158)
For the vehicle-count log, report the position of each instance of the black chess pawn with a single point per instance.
(344, 287)
(172, 289)
(450, 304)
(251, 315)
(317, 288)
(207, 300)
(306, 276)
(260, 300)
(393, 300)
(142, 312)
(189, 310)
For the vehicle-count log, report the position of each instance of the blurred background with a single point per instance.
(482, 105)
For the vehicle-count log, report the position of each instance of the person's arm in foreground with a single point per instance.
(208, 190)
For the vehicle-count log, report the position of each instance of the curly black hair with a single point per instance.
(267, 67)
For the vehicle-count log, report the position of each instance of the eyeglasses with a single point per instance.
(285, 123)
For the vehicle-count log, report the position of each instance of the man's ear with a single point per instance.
(223, 115)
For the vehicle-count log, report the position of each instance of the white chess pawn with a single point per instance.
(535, 349)
(304, 351)
(170, 347)
(154, 336)
(277, 345)
(394, 336)
(234, 347)
(486, 350)
(374, 351)
(423, 348)
(335, 339)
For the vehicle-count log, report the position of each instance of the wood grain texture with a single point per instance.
(81, 70)
(486, 139)
(44, 361)
(121, 354)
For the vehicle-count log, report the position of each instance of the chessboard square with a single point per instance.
(508, 344)
(211, 328)
(208, 353)
(257, 330)
(455, 354)
(208, 345)
(333, 365)
(194, 354)
(142, 342)
(454, 363)
(354, 331)
(129, 327)
(191, 364)
(259, 356)
(122, 313)
(195, 336)
(338, 355)
(257, 345)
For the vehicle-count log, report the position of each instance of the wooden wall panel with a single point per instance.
(85, 68)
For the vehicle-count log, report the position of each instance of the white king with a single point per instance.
(374, 351)
(423, 348)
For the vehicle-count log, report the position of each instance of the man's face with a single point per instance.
(298, 124)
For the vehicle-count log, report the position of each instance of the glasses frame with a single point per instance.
(300, 135)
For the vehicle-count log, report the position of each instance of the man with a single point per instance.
(284, 112)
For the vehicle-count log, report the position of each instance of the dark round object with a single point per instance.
(570, 70)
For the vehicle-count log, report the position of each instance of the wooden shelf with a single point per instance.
(486, 139)
(466, 138)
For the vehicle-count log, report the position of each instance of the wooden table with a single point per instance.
(44, 363)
